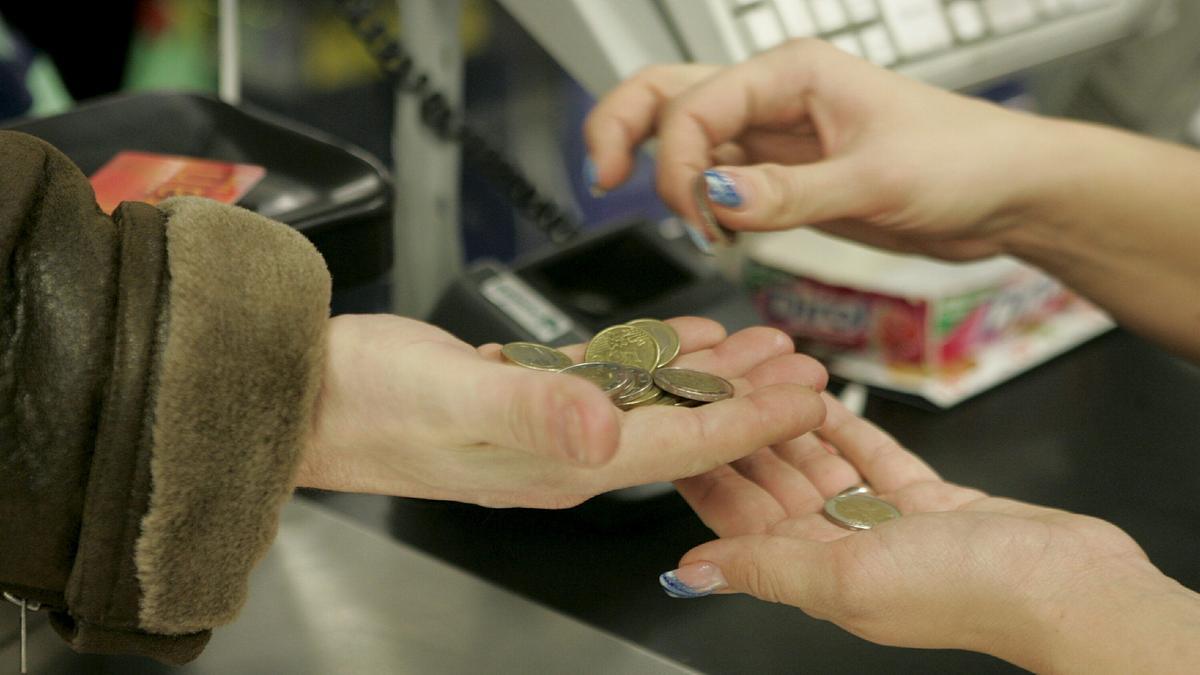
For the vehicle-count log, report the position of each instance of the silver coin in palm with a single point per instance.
(859, 510)
(640, 382)
(536, 357)
(693, 384)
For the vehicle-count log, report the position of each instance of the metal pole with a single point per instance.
(428, 246)
(229, 75)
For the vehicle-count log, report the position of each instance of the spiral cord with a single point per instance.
(449, 124)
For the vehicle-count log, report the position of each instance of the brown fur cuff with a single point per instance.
(244, 343)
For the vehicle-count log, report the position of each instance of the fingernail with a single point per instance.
(721, 189)
(693, 581)
(590, 176)
(570, 432)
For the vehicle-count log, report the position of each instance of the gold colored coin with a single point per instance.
(652, 395)
(664, 335)
(859, 511)
(535, 356)
(627, 345)
(693, 384)
(612, 378)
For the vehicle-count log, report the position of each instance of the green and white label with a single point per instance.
(526, 306)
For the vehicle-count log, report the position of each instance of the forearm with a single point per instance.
(1117, 218)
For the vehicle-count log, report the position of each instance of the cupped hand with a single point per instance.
(407, 409)
(958, 569)
(806, 134)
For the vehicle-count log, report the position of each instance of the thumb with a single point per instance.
(776, 569)
(777, 197)
(543, 413)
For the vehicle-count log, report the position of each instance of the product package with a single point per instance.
(941, 331)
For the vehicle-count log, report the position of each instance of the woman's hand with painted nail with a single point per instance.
(806, 134)
(407, 409)
(957, 569)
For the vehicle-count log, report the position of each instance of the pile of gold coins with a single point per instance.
(629, 363)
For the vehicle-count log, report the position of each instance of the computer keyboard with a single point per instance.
(951, 43)
(888, 32)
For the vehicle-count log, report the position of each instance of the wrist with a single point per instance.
(1112, 621)
(317, 444)
(1043, 178)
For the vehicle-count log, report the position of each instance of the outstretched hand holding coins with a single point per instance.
(408, 409)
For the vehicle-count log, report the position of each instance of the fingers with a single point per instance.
(696, 333)
(770, 90)
(739, 353)
(627, 116)
(661, 443)
(776, 569)
(828, 472)
(728, 503)
(789, 488)
(883, 462)
(775, 196)
(540, 413)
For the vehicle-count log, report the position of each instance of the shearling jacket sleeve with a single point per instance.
(157, 373)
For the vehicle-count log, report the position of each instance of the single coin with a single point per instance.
(650, 397)
(627, 345)
(664, 335)
(535, 356)
(640, 382)
(693, 384)
(610, 377)
(859, 511)
(714, 231)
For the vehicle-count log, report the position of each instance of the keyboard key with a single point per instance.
(861, 11)
(830, 15)
(1007, 16)
(878, 46)
(763, 28)
(918, 25)
(797, 22)
(847, 42)
(967, 19)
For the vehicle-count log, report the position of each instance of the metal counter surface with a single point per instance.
(333, 597)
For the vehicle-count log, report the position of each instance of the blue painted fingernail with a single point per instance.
(721, 189)
(590, 176)
(693, 581)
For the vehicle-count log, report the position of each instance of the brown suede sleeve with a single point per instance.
(157, 372)
(57, 287)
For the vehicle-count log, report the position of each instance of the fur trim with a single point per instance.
(245, 338)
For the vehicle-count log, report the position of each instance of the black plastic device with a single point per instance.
(335, 194)
(568, 292)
